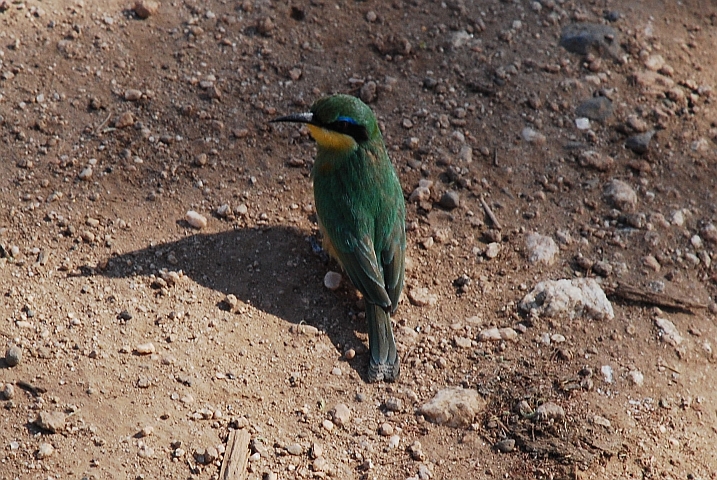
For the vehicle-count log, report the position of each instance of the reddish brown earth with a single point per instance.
(87, 260)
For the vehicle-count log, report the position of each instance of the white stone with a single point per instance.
(454, 407)
(668, 332)
(195, 219)
(332, 280)
(541, 248)
(578, 297)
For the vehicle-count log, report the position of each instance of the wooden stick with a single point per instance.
(490, 214)
(236, 456)
(637, 294)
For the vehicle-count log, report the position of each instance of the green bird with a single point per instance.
(361, 213)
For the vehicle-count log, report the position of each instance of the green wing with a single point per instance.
(361, 209)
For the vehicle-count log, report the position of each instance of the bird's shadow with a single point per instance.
(276, 269)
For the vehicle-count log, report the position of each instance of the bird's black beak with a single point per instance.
(307, 117)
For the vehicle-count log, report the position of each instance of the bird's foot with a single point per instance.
(386, 372)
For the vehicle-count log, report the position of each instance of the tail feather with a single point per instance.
(384, 363)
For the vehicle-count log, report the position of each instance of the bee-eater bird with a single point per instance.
(361, 213)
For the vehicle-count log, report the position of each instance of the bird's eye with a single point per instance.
(342, 125)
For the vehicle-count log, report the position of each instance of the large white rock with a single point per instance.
(454, 407)
(579, 297)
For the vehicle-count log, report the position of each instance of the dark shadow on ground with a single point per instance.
(275, 269)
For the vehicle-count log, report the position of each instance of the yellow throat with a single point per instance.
(331, 140)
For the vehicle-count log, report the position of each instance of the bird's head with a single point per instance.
(338, 122)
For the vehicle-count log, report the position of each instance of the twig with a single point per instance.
(637, 294)
(490, 214)
(495, 157)
(104, 122)
(236, 456)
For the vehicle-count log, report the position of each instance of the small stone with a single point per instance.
(85, 174)
(505, 446)
(549, 411)
(636, 377)
(146, 431)
(462, 342)
(651, 262)
(350, 354)
(368, 92)
(586, 38)
(572, 298)
(53, 422)
(654, 62)
(295, 449)
(596, 160)
(709, 233)
(497, 334)
(295, 74)
(385, 430)
(541, 248)
(132, 95)
(640, 143)
(195, 219)
(8, 391)
(13, 356)
(332, 280)
(532, 136)
(371, 16)
(146, 8)
(582, 123)
(328, 425)
(125, 120)
(450, 200)
(316, 451)
(453, 406)
(45, 450)
(336, 371)
(341, 414)
(421, 297)
(420, 194)
(224, 211)
(638, 124)
(416, 451)
(668, 332)
(595, 108)
(145, 348)
(620, 195)
(607, 373)
(393, 404)
(492, 250)
(394, 441)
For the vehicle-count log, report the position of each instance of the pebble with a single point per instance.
(582, 123)
(453, 406)
(638, 124)
(505, 446)
(341, 414)
(317, 451)
(416, 451)
(577, 297)
(195, 219)
(668, 331)
(53, 422)
(450, 200)
(45, 450)
(462, 342)
(595, 108)
(640, 142)
(585, 38)
(124, 120)
(607, 373)
(549, 411)
(636, 377)
(492, 250)
(393, 404)
(496, 334)
(328, 425)
(85, 174)
(132, 95)
(541, 248)
(709, 233)
(620, 195)
(422, 193)
(421, 297)
(295, 449)
(332, 280)
(146, 8)
(368, 92)
(146, 431)
(350, 354)
(533, 136)
(13, 356)
(596, 160)
(224, 211)
(385, 430)
(8, 391)
(145, 348)
(336, 371)
(394, 441)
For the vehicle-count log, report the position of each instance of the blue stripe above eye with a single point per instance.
(347, 120)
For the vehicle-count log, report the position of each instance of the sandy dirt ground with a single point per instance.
(136, 343)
